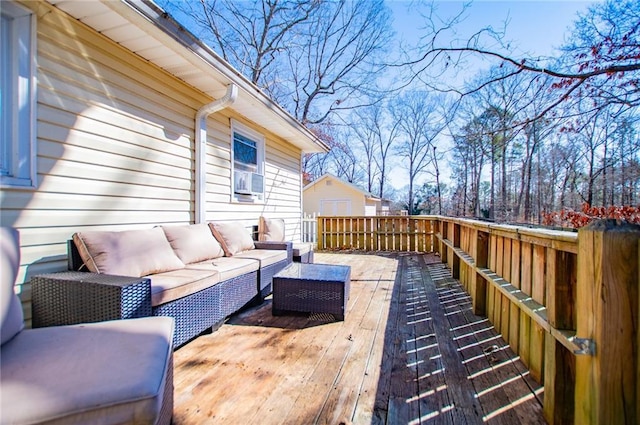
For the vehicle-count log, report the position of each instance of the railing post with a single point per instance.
(455, 269)
(444, 249)
(559, 369)
(437, 229)
(320, 235)
(607, 315)
(478, 284)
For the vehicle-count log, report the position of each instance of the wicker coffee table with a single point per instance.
(312, 288)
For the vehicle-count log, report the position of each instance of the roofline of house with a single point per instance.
(157, 18)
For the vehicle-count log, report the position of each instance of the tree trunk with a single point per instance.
(492, 196)
(503, 183)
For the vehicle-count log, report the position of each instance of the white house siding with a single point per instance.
(115, 149)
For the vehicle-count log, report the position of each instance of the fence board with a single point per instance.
(526, 269)
(515, 263)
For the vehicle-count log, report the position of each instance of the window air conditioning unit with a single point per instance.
(248, 183)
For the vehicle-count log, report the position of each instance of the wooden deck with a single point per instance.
(410, 351)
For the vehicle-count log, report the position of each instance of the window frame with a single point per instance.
(260, 141)
(18, 84)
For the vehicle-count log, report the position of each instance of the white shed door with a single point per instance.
(333, 207)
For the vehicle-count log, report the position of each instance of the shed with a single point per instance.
(332, 196)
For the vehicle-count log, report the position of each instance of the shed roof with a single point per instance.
(325, 176)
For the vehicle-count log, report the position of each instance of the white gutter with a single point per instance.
(201, 142)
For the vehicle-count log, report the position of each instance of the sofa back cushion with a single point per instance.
(233, 237)
(11, 319)
(193, 243)
(130, 253)
(271, 229)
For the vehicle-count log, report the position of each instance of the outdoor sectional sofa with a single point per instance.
(197, 274)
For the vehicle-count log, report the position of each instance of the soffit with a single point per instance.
(143, 28)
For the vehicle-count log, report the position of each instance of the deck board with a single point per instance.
(410, 351)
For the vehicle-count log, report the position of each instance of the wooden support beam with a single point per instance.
(455, 268)
(559, 383)
(607, 314)
(444, 250)
(478, 283)
(559, 370)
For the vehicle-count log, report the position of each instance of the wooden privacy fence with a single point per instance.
(377, 233)
(567, 303)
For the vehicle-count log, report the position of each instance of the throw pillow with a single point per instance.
(193, 243)
(129, 253)
(271, 229)
(233, 237)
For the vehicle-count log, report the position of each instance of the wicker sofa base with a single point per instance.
(77, 297)
(206, 309)
(265, 278)
(304, 258)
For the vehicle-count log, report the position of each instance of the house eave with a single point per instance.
(145, 29)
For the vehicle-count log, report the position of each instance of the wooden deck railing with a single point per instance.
(567, 303)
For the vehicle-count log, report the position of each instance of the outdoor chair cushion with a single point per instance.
(99, 373)
(271, 229)
(227, 267)
(193, 243)
(129, 253)
(233, 237)
(174, 284)
(11, 318)
(266, 257)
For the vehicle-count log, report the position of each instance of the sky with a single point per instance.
(534, 28)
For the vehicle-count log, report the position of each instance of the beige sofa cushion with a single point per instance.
(233, 237)
(266, 257)
(193, 243)
(301, 248)
(96, 373)
(271, 229)
(228, 267)
(130, 253)
(171, 285)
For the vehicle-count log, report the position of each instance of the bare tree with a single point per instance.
(601, 60)
(468, 160)
(420, 123)
(376, 134)
(366, 132)
(339, 59)
(317, 164)
(249, 35)
(535, 133)
(346, 160)
(627, 141)
(314, 57)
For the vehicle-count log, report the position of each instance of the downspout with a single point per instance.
(201, 141)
